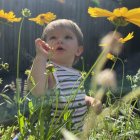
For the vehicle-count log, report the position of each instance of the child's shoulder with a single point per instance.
(61, 68)
(73, 70)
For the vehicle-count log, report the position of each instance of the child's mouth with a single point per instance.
(60, 49)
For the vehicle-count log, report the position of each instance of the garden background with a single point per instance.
(76, 10)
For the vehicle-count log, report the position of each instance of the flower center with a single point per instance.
(42, 17)
(120, 21)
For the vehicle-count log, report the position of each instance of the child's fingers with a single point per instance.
(94, 103)
(97, 106)
(42, 44)
(89, 100)
(38, 42)
(97, 103)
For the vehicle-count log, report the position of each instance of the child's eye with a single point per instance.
(52, 37)
(68, 37)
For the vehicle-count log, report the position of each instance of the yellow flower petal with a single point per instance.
(49, 17)
(128, 37)
(44, 18)
(14, 20)
(111, 57)
(119, 16)
(134, 21)
(117, 13)
(10, 16)
(98, 12)
(120, 11)
(134, 13)
(39, 19)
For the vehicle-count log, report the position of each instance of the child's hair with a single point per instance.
(64, 23)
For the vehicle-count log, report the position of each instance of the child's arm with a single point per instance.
(38, 69)
(95, 103)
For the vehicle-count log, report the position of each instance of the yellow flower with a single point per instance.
(119, 16)
(128, 37)
(43, 18)
(111, 57)
(10, 16)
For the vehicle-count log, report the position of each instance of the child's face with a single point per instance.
(65, 45)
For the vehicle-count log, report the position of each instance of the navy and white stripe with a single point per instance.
(67, 82)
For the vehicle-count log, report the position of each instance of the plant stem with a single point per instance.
(18, 53)
(122, 76)
(17, 77)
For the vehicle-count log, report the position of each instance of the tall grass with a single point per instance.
(116, 121)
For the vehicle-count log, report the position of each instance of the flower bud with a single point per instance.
(111, 43)
(26, 12)
(107, 78)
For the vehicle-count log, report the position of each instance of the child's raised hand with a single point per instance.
(94, 103)
(42, 48)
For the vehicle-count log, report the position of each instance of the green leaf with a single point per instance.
(31, 107)
(6, 98)
(67, 115)
(21, 122)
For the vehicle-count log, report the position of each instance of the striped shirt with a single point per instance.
(70, 96)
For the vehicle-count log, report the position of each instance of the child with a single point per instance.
(61, 45)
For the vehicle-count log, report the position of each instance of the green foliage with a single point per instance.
(36, 122)
(35, 119)
(134, 80)
(123, 126)
(4, 66)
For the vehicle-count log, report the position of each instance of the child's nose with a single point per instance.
(60, 41)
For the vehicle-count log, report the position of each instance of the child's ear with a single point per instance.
(79, 51)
